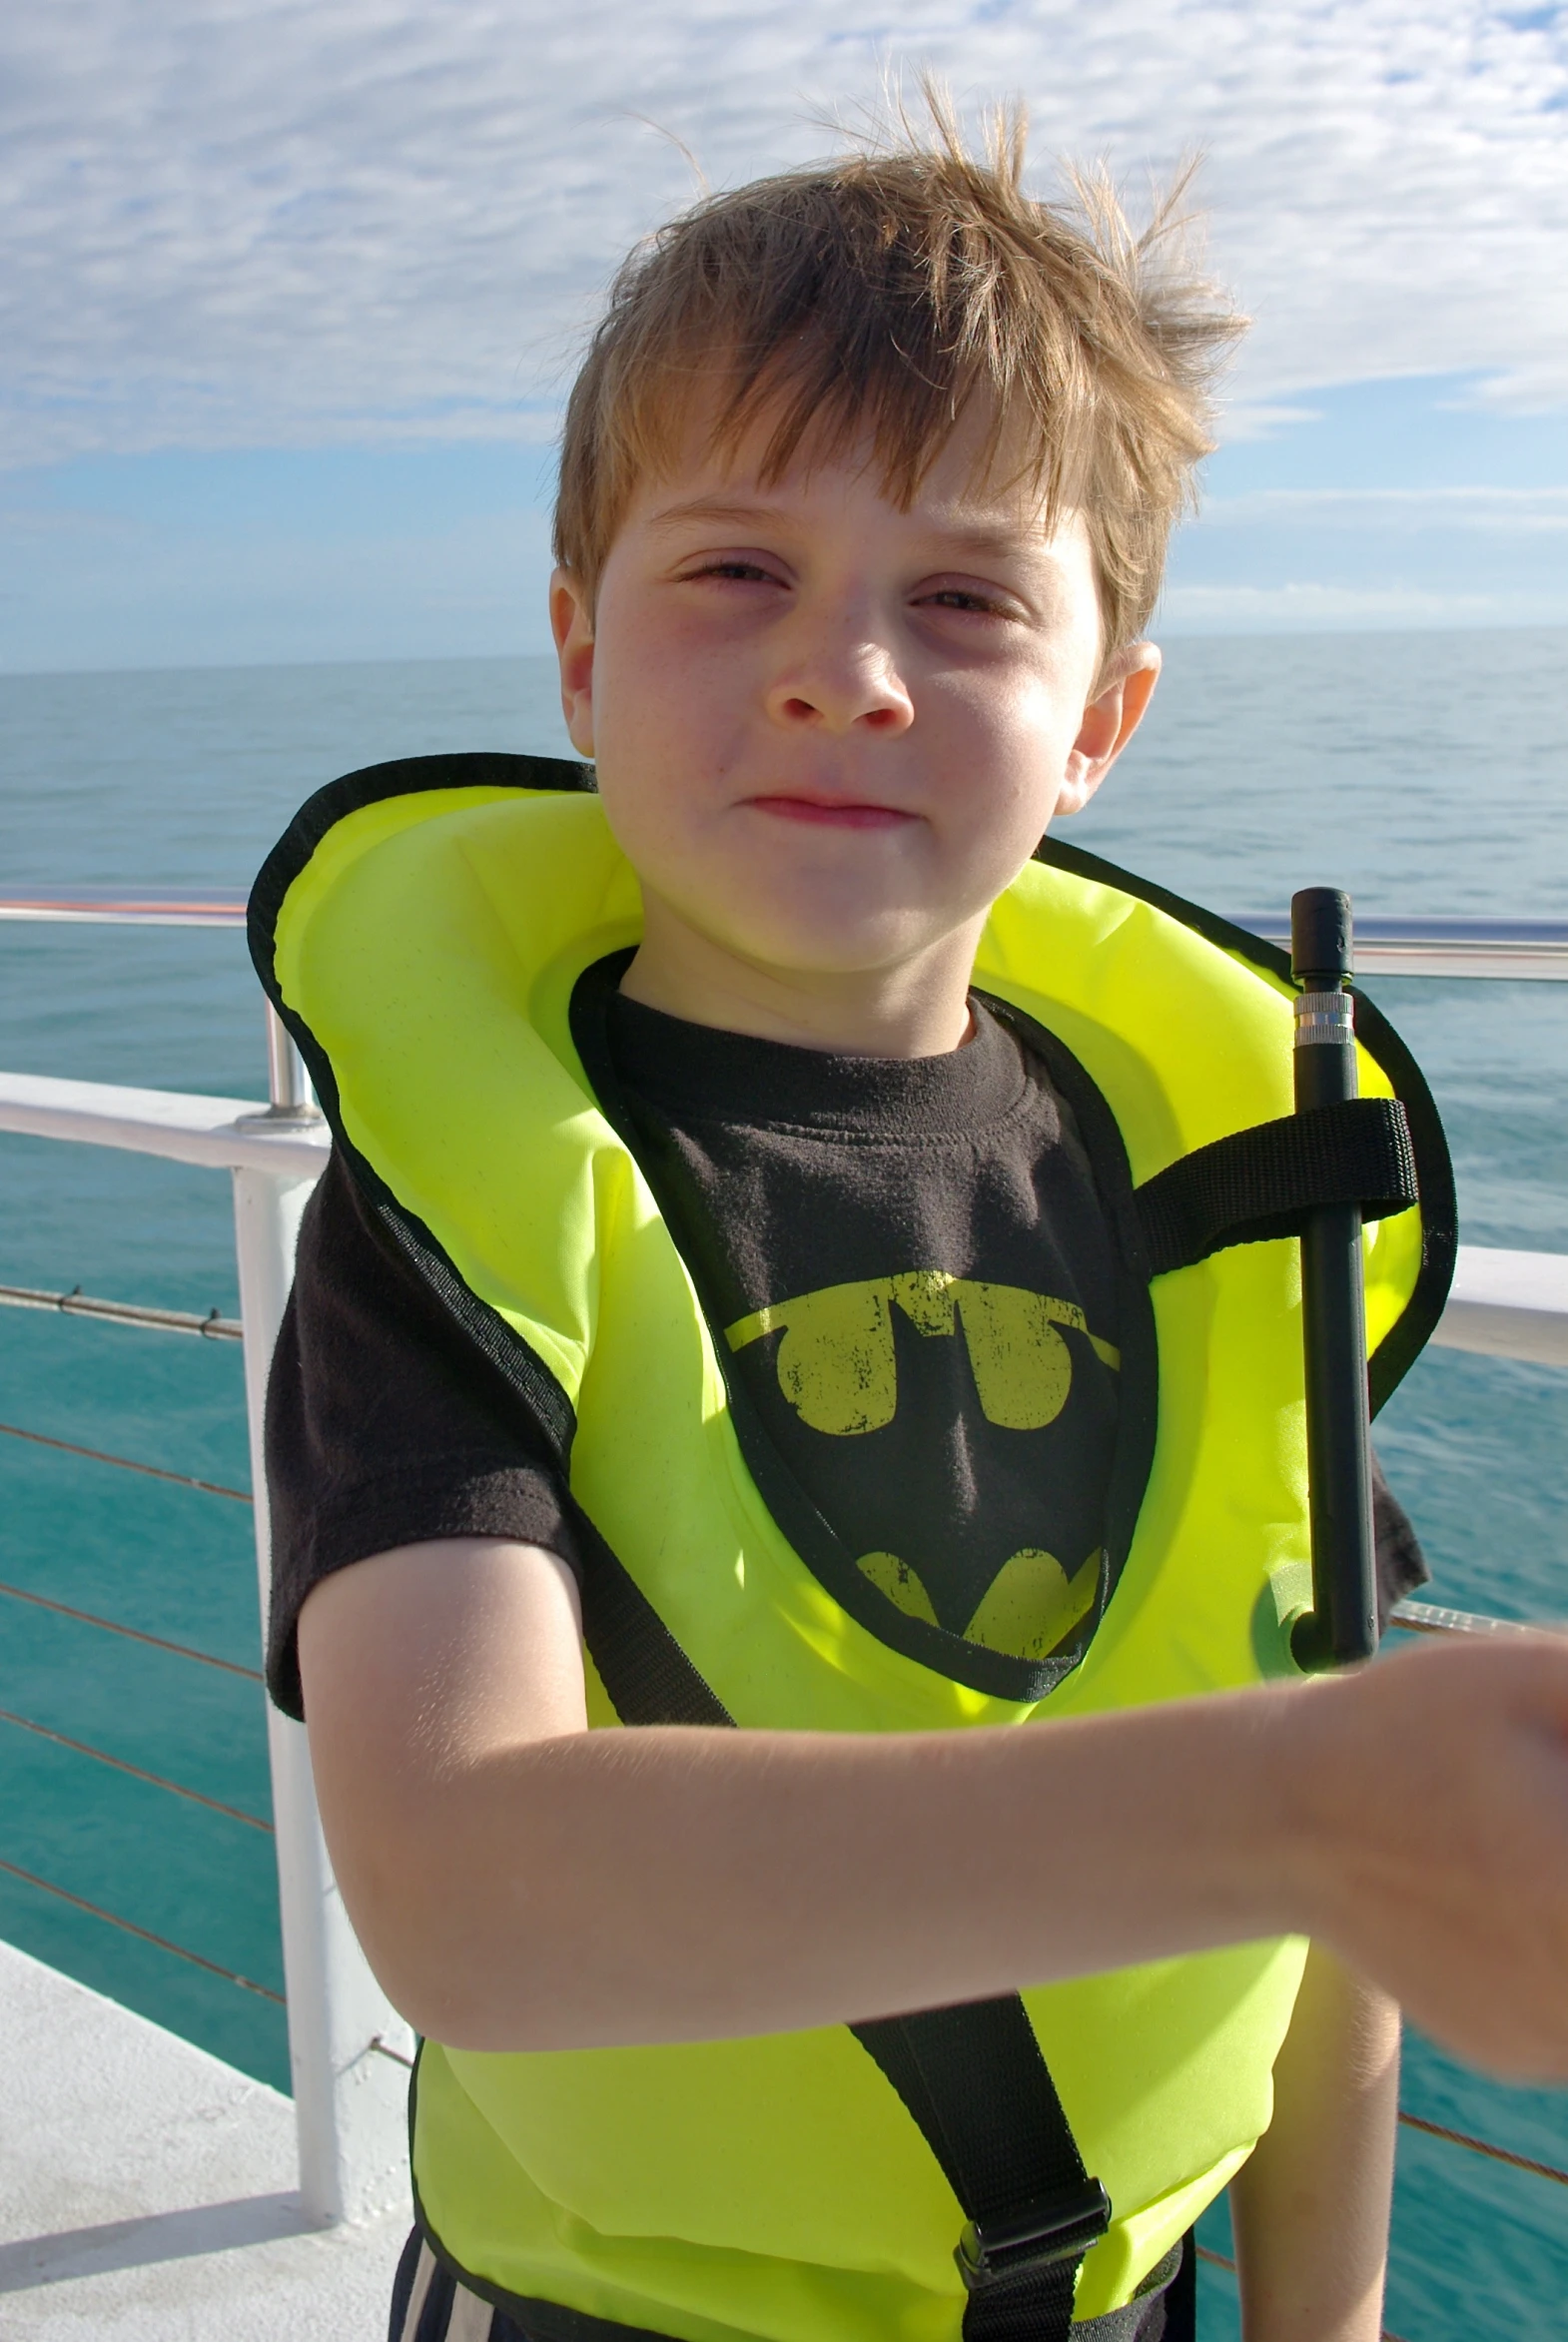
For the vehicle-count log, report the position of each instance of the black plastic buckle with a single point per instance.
(1052, 2229)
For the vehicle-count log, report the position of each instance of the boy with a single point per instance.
(738, 1267)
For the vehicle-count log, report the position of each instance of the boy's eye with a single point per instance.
(962, 598)
(749, 572)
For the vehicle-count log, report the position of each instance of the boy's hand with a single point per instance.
(1433, 1794)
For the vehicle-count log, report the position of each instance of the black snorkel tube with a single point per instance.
(1341, 1626)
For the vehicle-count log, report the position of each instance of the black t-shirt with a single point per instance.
(914, 1276)
(916, 1282)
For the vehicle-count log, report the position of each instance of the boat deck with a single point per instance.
(147, 2190)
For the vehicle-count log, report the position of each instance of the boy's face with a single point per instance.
(829, 732)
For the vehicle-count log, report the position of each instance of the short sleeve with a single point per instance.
(1401, 1565)
(386, 1423)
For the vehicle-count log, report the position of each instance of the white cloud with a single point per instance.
(268, 222)
(1264, 418)
(1506, 511)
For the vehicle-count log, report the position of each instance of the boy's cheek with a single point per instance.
(657, 693)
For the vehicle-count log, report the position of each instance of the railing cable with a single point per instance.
(133, 1634)
(1426, 1618)
(126, 1463)
(1482, 2146)
(76, 1304)
(130, 1927)
(120, 1764)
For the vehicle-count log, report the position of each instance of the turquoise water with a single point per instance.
(1425, 772)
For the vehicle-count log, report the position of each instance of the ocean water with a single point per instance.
(1426, 773)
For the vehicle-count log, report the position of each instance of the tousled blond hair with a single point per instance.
(883, 294)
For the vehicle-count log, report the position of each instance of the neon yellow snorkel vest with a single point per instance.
(424, 926)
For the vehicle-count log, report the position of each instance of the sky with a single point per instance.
(291, 293)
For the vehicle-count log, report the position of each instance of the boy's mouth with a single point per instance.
(832, 812)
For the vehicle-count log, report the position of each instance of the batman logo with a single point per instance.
(958, 1436)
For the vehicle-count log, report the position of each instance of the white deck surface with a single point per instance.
(146, 2189)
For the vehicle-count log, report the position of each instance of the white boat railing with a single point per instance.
(1516, 949)
(348, 2048)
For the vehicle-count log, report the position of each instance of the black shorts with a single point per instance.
(429, 2305)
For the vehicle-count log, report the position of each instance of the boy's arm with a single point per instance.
(521, 1883)
(1310, 2208)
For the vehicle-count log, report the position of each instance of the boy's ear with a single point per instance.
(1110, 720)
(571, 623)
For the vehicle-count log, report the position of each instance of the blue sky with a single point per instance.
(294, 291)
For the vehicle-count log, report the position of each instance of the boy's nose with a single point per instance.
(841, 688)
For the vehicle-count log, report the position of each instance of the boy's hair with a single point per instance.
(882, 294)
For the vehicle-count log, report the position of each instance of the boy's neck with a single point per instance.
(910, 1010)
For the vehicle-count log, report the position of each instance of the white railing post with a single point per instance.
(351, 2098)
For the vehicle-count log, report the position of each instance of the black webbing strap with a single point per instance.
(1263, 1182)
(647, 1675)
(972, 2077)
(977, 2085)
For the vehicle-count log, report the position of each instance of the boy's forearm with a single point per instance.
(1310, 2208)
(521, 1883)
(681, 1884)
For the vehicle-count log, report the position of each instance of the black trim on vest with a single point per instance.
(1263, 1182)
(812, 1536)
(1412, 1330)
(1137, 1390)
(647, 1675)
(512, 1358)
(373, 784)
(522, 1367)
